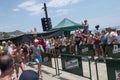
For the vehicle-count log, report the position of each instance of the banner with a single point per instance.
(113, 50)
(47, 59)
(65, 49)
(113, 69)
(72, 64)
(117, 72)
(86, 50)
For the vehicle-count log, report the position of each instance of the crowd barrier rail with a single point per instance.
(73, 63)
(112, 62)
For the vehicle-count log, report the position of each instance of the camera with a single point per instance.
(97, 27)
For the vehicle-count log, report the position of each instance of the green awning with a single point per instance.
(67, 25)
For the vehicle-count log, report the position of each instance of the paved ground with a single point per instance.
(49, 73)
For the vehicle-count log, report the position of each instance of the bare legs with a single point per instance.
(39, 68)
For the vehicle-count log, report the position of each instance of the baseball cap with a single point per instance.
(35, 41)
(29, 75)
(3, 42)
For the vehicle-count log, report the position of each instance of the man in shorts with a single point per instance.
(37, 55)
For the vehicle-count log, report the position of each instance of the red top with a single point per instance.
(42, 42)
(96, 41)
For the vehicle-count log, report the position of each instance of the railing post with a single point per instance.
(96, 69)
(55, 65)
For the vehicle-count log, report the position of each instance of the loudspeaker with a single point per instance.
(46, 24)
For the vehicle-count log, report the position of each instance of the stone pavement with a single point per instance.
(48, 73)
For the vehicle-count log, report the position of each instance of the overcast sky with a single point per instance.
(24, 15)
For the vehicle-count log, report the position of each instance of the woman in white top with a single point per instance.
(118, 37)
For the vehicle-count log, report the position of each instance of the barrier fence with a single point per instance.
(112, 62)
(64, 49)
(113, 69)
(86, 50)
(73, 63)
(113, 50)
(47, 61)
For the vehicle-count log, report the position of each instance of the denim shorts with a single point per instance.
(97, 46)
(39, 58)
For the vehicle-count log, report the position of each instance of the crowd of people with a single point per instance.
(33, 51)
(98, 39)
(13, 57)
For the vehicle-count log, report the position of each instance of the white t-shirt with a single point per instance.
(118, 39)
(10, 49)
(113, 34)
(110, 35)
(47, 44)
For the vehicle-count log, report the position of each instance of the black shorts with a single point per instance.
(56, 47)
(25, 53)
(103, 45)
(18, 63)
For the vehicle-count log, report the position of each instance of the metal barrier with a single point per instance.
(113, 69)
(96, 61)
(89, 68)
(73, 64)
(112, 62)
(47, 61)
(56, 64)
(68, 62)
(81, 51)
